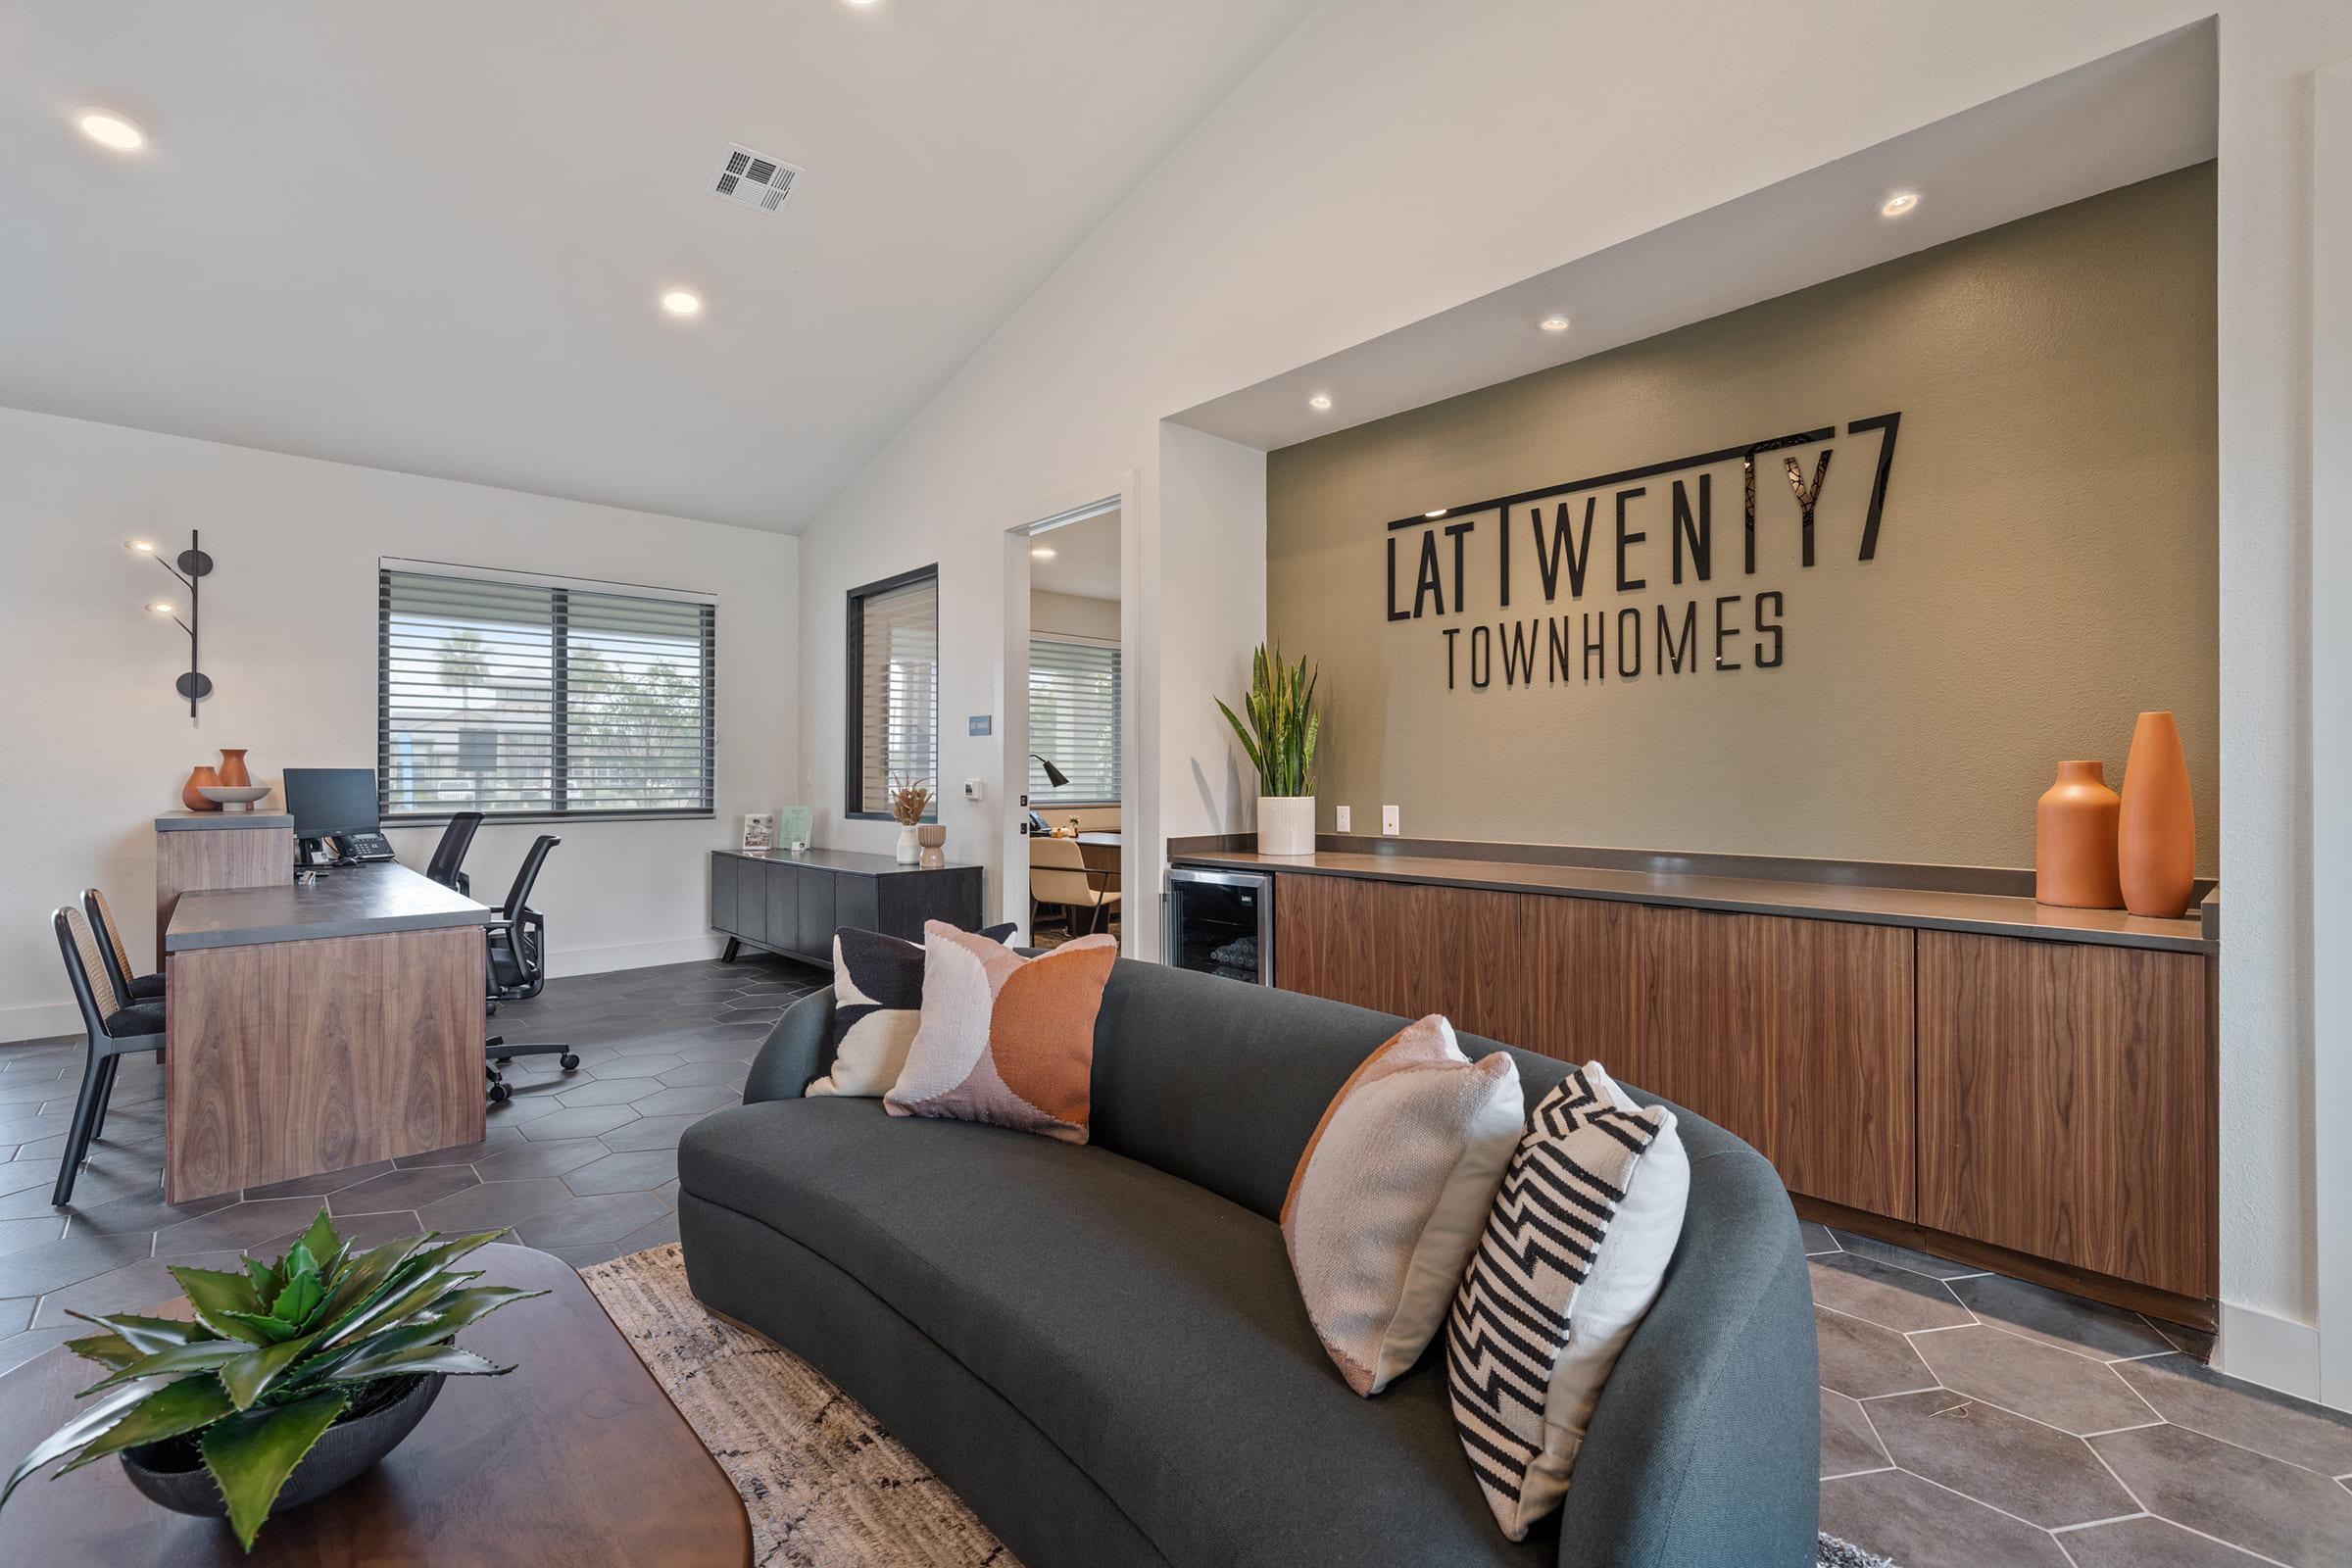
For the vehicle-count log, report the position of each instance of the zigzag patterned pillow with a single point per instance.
(1575, 1250)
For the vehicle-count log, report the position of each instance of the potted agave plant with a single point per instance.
(294, 1378)
(1280, 739)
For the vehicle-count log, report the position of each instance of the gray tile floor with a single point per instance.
(1968, 1420)
(582, 1164)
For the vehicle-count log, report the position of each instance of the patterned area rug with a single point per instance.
(825, 1484)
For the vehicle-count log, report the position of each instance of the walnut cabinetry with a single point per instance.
(2022, 1099)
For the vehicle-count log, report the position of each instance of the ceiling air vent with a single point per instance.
(753, 180)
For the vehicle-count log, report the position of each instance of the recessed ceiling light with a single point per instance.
(1438, 511)
(861, 3)
(1037, 552)
(1553, 323)
(682, 302)
(1896, 205)
(110, 129)
(1319, 402)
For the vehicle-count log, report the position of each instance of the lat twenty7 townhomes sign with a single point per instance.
(1559, 565)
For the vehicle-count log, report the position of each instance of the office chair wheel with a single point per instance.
(567, 1061)
(500, 1093)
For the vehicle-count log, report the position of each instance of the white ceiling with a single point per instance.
(1086, 558)
(429, 236)
(2131, 116)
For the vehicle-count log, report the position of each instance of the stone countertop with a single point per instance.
(1991, 914)
(185, 821)
(349, 902)
(857, 863)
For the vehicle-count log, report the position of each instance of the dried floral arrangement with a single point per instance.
(909, 803)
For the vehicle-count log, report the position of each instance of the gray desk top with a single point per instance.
(852, 862)
(184, 821)
(355, 901)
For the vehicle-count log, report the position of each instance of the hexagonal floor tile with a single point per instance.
(495, 1203)
(640, 1171)
(1921, 1525)
(2189, 1393)
(1862, 1360)
(1882, 1294)
(578, 1122)
(2069, 1322)
(603, 1217)
(2245, 1498)
(2055, 1386)
(411, 1188)
(527, 1159)
(2022, 1467)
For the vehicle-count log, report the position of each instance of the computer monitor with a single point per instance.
(331, 800)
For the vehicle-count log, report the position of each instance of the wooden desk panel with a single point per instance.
(2067, 1105)
(216, 857)
(290, 1058)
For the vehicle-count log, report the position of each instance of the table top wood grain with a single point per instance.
(576, 1458)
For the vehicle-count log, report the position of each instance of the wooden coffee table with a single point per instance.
(574, 1457)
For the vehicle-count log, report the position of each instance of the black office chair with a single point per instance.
(116, 954)
(115, 1030)
(518, 969)
(449, 856)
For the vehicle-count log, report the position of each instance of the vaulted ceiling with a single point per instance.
(431, 236)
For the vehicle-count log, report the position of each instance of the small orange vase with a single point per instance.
(194, 802)
(2156, 834)
(232, 767)
(2075, 840)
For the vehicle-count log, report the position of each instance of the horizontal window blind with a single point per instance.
(895, 629)
(1074, 720)
(517, 697)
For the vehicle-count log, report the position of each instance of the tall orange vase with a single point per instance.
(2156, 834)
(2075, 840)
(232, 766)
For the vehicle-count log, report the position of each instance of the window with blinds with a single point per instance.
(894, 698)
(1074, 720)
(516, 696)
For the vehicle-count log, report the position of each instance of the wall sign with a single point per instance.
(1545, 558)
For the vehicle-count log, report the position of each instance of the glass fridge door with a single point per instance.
(1220, 923)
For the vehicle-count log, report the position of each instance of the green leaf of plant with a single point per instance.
(264, 1278)
(175, 1407)
(322, 1241)
(251, 1375)
(459, 1308)
(406, 1294)
(362, 1276)
(178, 1360)
(445, 1358)
(75, 1433)
(303, 1293)
(219, 1298)
(271, 1329)
(107, 1350)
(147, 1335)
(251, 1452)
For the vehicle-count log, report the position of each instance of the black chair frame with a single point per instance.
(449, 856)
(516, 970)
(105, 1052)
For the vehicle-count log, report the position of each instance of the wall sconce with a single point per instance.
(193, 566)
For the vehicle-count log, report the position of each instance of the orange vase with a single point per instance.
(2156, 834)
(187, 792)
(2075, 840)
(232, 767)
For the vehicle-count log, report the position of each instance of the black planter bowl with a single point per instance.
(172, 1473)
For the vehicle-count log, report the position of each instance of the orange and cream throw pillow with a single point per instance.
(1005, 1040)
(1390, 1198)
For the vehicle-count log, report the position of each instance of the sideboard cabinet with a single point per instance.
(793, 904)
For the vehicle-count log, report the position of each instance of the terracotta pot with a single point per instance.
(2156, 834)
(2075, 840)
(232, 767)
(199, 775)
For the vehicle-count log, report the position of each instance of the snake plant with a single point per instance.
(1283, 723)
(275, 1354)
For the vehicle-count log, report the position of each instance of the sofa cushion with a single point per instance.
(1004, 1039)
(877, 1002)
(1147, 1326)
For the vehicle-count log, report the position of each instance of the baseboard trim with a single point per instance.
(39, 1021)
(2274, 1351)
(562, 961)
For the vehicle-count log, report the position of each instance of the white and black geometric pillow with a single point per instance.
(877, 1002)
(1574, 1252)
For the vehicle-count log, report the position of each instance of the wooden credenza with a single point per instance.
(793, 904)
(2037, 1095)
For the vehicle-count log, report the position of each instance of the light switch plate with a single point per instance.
(1387, 821)
(975, 789)
(1345, 816)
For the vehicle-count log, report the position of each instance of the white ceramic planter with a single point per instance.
(909, 850)
(1286, 824)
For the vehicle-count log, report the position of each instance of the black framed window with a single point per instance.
(893, 690)
(531, 697)
(1074, 720)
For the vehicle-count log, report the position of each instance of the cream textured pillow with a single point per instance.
(1005, 1040)
(1582, 1232)
(877, 1002)
(1391, 1193)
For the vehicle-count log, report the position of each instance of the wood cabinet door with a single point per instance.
(2066, 1095)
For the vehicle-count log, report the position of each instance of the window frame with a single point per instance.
(852, 788)
(1118, 699)
(388, 568)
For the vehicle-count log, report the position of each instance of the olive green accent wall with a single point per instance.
(2045, 568)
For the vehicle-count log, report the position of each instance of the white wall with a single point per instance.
(99, 745)
(1394, 158)
(1073, 616)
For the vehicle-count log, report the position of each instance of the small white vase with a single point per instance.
(1286, 824)
(911, 845)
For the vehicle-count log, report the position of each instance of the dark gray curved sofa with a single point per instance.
(1101, 1348)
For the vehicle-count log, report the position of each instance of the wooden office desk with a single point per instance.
(314, 1028)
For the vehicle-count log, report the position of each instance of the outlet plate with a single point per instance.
(1387, 821)
(1345, 818)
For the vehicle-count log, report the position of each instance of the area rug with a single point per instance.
(825, 1484)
